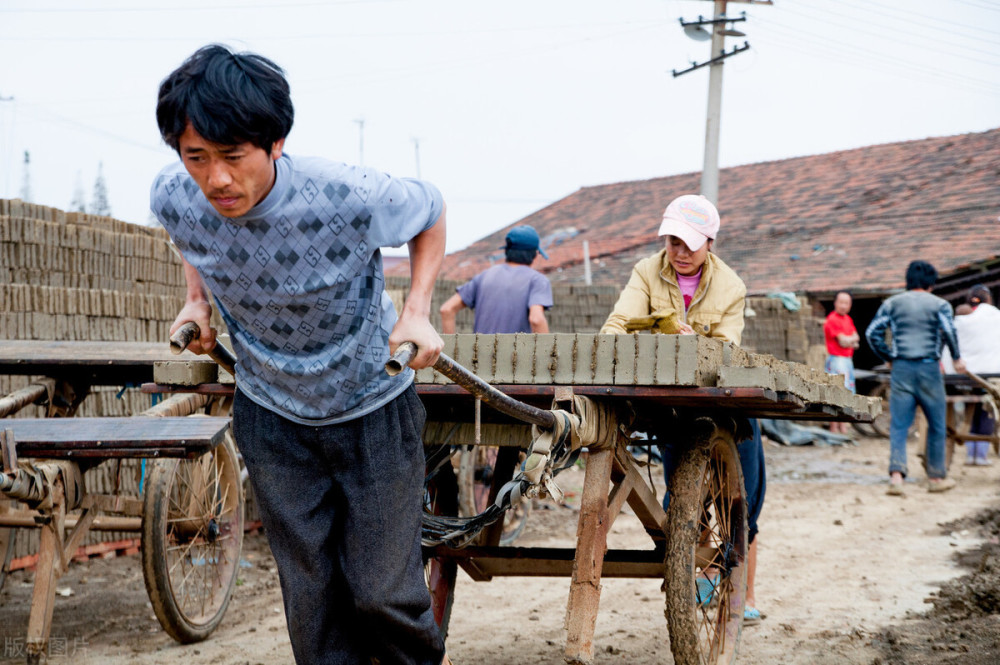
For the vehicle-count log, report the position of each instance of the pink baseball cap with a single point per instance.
(692, 218)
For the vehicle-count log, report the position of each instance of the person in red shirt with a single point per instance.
(841, 340)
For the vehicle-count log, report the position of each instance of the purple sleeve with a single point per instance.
(468, 291)
(540, 292)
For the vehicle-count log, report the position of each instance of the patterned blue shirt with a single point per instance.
(299, 280)
(920, 324)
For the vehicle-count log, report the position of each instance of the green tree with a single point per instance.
(79, 202)
(99, 201)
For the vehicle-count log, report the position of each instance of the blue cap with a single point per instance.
(524, 237)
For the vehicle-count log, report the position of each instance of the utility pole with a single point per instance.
(361, 141)
(416, 154)
(710, 169)
(721, 27)
(26, 180)
(7, 145)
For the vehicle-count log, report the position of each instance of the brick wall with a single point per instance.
(72, 276)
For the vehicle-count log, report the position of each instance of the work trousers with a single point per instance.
(912, 383)
(982, 423)
(341, 505)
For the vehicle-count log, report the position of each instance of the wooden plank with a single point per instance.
(116, 437)
(27, 353)
(189, 452)
(591, 545)
(96, 363)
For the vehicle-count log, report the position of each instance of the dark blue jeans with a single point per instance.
(916, 382)
(751, 452)
(982, 423)
(341, 505)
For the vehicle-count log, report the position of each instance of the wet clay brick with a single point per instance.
(544, 357)
(645, 351)
(565, 345)
(625, 359)
(524, 358)
(504, 369)
(604, 359)
(583, 369)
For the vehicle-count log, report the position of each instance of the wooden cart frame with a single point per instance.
(190, 514)
(686, 540)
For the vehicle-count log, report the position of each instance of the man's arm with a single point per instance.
(536, 317)
(951, 336)
(848, 341)
(449, 310)
(875, 334)
(633, 302)
(197, 308)
(414, 325)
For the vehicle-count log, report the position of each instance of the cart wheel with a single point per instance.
(881, 422)
(7, 538)
(864, 429)
(475, 480)
(706, 538)
(441, 497)
(192, 535)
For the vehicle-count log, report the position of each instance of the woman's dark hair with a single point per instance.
(228, 98)
(522, 256)
(980, 294)
(920, 275)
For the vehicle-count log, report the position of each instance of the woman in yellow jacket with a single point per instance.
(685, 283)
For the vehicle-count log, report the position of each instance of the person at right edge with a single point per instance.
(919, 323)
(977, 333)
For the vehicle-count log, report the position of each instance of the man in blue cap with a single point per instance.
(510, 297)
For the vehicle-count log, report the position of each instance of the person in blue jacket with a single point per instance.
(919, 323)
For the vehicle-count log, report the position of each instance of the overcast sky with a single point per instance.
(514, 104)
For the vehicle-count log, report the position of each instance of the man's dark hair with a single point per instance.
(979, 294)
(920, 275)
(846, 293)
(522, 256)
(228, 98)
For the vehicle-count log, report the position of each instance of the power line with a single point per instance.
(980, 6)
(342, 35)
(940, 20)
(886, 37)
(894, 15)
(97, 130)
(453, 63)
(838, 49)
(897, 67)
(187, 8)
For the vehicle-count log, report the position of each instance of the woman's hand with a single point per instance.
(684, 329)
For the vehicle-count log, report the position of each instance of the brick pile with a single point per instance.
(72, 276)
(794, 336)
(640, 360)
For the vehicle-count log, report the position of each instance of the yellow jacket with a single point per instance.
(716, 309)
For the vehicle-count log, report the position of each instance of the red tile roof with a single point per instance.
(851, 219)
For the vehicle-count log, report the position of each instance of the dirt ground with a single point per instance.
(846, 575)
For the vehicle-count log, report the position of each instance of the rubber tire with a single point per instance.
(158, 535)
(712, 461)
(8, 536)
(880, 425)
(441, 498)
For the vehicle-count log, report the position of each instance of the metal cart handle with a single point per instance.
(219, 353)
(405, 353)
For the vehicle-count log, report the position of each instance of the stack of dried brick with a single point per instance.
(72, 276)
